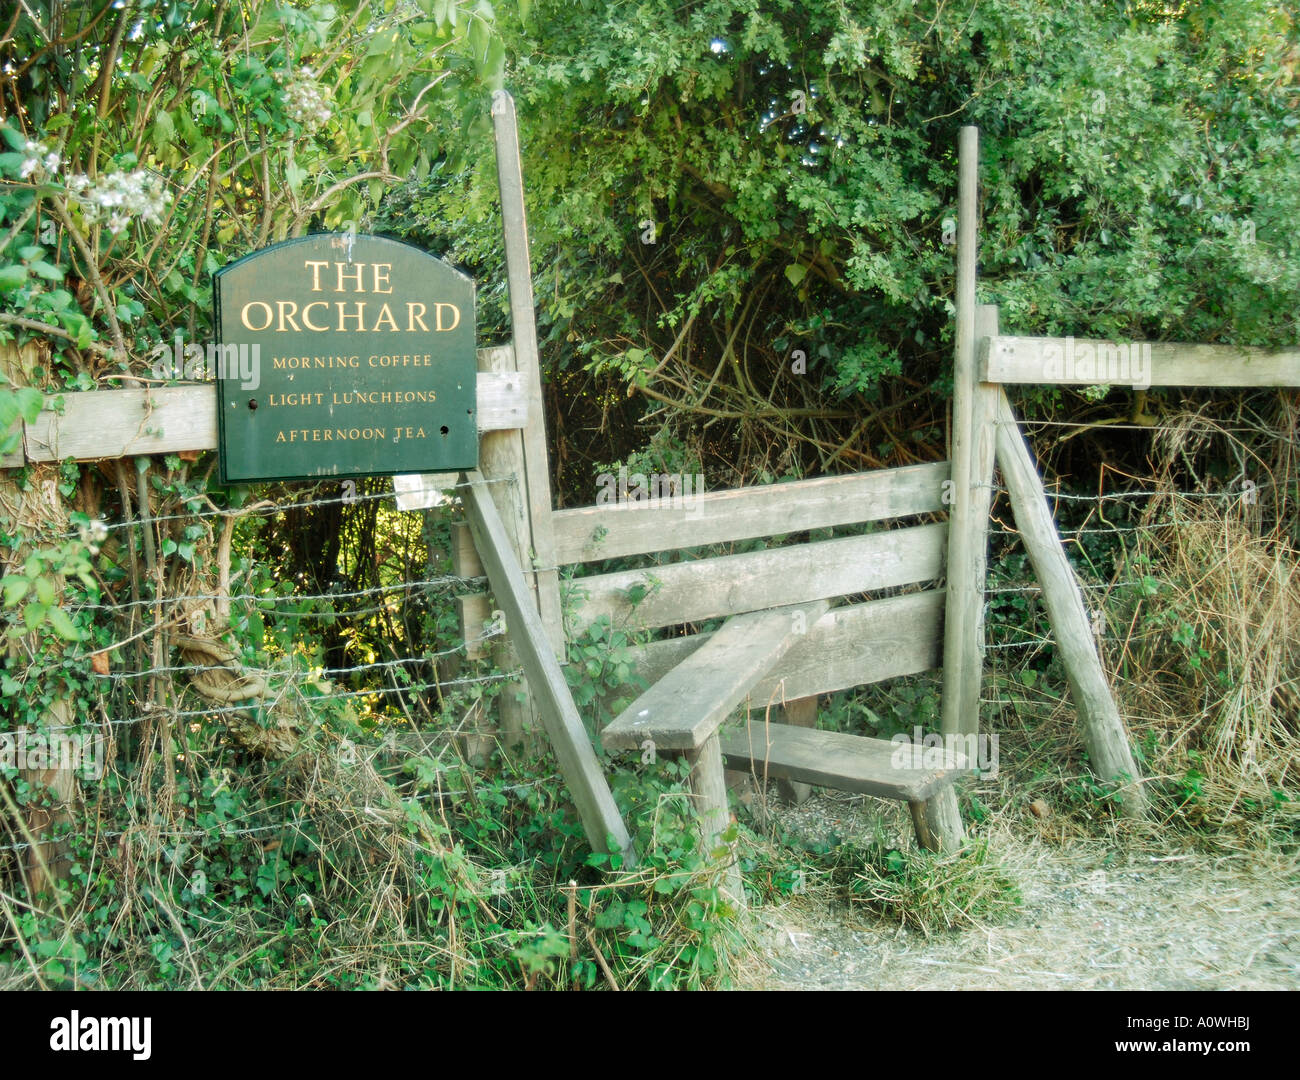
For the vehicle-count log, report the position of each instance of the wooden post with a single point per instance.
(535, 476)
(801, 712)
(962, 647)
(32, 510)
(502, 458)
(937, 822)
(582, 773)
(1103, 730)
(710, 791)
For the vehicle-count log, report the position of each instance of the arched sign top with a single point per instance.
(342, 355)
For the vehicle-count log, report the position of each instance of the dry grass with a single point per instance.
(1208, 668)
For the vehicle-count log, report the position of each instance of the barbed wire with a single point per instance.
(199, 834)
(271, 508)
(271, 703)
(441, 581)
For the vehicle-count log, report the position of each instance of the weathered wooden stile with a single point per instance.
(899, 592)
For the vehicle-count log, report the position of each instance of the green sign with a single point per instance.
(344, 355)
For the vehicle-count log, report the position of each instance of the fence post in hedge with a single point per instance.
(29, 512)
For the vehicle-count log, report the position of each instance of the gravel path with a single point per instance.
(1090, 920)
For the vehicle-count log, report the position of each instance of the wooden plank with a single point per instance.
(685, 707)
(801, 712)
(536, 477)
(616, 530)
(1103, 730)
(98, 424)
(858, 645)
(124, 423)
(600, 817)
(1092, 362)
(423, 491)
(963, 651)
(709, 588)
(834, 760)
(503, 400)
(854, 645)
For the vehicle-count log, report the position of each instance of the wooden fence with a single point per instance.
(514, 535)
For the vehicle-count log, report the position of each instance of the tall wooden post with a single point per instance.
(535, 475)
(967, 528)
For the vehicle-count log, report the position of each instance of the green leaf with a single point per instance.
(15, 588)
(63, 624)
(29, 401)
(795, 273)
(164, 128)
(12, 277)
(494, 65)
(33, 615)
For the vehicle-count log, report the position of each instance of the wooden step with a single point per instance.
(830, 759)
(685, 707)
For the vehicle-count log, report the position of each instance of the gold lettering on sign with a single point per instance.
(302, 435)
(306, 316)
(244, 315)
(438, 309)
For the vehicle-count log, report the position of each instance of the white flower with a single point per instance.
(305, 100)
(118, 197)
(40, 159)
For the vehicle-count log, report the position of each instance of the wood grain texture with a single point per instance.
(937, 822)
(685, 707)
(1103, 730)
(708, 588)
(1092, 362)
(99, 424)
(963, 649)
(589, 533)
(472, 612)
(854, 645)
(582, 773)
(834, 760)
(536, 474)
(708, 785)
(966, 532)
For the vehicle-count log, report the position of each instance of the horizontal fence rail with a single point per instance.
(97, 424)
(731, 584)
(617, 530)
(1090, 362)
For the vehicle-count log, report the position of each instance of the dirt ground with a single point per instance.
(1094, 917)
